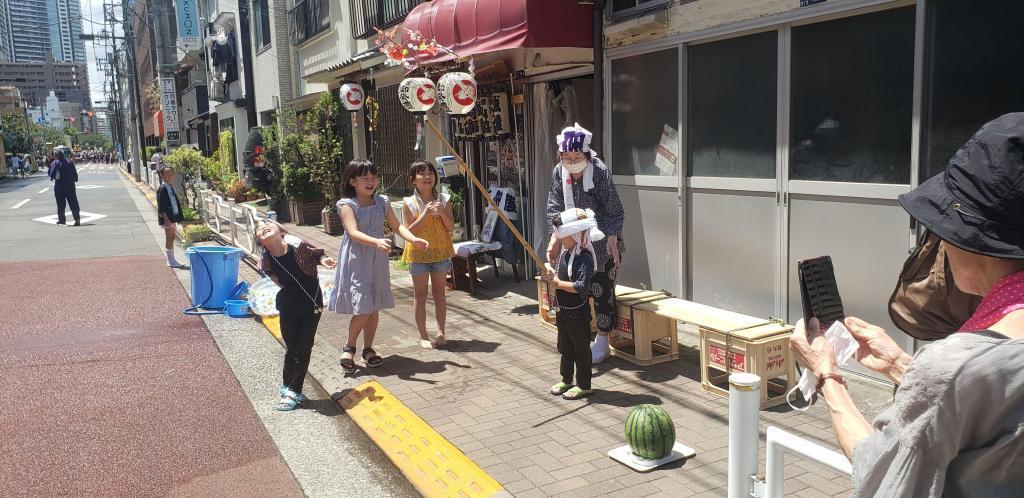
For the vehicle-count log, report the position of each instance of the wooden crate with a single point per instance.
(545, 299)
(762, 350)
(643, 336)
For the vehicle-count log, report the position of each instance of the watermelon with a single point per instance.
(650, 432)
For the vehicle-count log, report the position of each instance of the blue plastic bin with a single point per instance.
(214, 274)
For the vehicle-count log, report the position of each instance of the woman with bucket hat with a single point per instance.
(956, 427)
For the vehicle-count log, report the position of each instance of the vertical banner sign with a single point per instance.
(169, 99)
(188, 25)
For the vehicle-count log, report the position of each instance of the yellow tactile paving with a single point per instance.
(431, 463)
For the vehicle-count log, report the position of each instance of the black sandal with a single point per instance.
(373, 360)
(348, 364)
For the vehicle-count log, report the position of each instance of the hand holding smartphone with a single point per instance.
(819, 293)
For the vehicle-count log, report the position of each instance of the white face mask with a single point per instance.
(574, 168)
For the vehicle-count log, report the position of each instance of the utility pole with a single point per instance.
(133, 84)
(166, 64)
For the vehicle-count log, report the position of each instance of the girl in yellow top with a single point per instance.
(429, 216)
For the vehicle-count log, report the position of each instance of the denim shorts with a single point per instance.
(443, 266)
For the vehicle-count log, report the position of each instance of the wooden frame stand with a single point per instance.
(641, 335)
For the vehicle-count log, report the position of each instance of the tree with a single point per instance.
(326, 145)
(17, 134)
(188, 163)
(94, 141)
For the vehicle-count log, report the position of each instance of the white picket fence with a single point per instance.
(234, 224)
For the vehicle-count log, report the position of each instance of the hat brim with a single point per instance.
(933, 206)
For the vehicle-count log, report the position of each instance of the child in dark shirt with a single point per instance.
(292, 264)
(577, 229)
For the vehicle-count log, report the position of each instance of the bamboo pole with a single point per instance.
(479, 186)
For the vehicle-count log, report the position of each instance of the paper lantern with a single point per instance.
(352, 96)
(458, 93)
(417, 94)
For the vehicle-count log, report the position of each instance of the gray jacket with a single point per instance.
(956, 427)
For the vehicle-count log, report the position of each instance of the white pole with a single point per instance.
(780, 441)
(744, 403)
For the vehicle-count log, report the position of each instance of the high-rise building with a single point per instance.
(66, 43)
(70, 81)
(32, 29)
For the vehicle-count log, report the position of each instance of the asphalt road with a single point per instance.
(108, 389)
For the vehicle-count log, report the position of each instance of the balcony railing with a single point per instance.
(369, 14)
(308, 18)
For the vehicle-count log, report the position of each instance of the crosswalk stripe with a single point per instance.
(22, 203)
(43, 191)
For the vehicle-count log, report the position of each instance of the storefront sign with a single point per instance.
(169, 105)
(666, 159)
(188, 25)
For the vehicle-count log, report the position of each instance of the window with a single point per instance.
(645, 105)
(851, 93)
(261, 23)
(623, 8)
(974, 72)
(732, 107)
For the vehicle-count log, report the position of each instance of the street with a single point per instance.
(109, 389)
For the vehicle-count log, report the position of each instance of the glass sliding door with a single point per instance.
(849, 155)
(734, 215)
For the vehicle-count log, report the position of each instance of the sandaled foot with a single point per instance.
(348, 364)
(576, 393)
(288, 403)
(283, 390)
(425, 344)
(439, 341)
(560, 388)
(371, 358)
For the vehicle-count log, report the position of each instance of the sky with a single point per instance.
(92, 17)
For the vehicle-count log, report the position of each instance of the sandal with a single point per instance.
(284, 391)
(577, 393)
(560, 388)
(439, 341)
(288, 403)
(425, 344)
(371, 358)
(348, 364)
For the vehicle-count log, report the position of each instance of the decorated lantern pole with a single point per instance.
(417, 95)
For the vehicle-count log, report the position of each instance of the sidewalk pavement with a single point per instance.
(486, 392)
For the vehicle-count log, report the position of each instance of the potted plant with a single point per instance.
(457, 201)
(305, 201)
(325, 151)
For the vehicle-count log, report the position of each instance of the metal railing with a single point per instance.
(308, 18)
(744, 403)
(370, 14)
(234, 224)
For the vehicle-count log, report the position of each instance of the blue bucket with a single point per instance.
(214, 274)
(236, 308)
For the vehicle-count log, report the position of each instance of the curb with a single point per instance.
(431, 463)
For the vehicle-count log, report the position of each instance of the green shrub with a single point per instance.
(195, 233)
(299, 185)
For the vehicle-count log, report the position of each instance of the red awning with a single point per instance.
(471, 27)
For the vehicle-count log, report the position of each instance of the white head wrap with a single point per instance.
(581, 225)
(574, 139)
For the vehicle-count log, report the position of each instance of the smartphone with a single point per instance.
(819, 293)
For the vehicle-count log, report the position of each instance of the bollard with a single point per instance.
(744, 403)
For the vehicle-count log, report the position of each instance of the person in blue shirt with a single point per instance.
(64, 176)
(576, 230)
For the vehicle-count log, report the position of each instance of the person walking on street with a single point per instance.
(64, 176)
(168, 210)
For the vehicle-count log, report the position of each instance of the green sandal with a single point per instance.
(560, 388)
(576, 393)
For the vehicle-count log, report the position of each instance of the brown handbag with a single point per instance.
(926, 303)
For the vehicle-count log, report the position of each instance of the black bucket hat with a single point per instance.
(977, 203)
